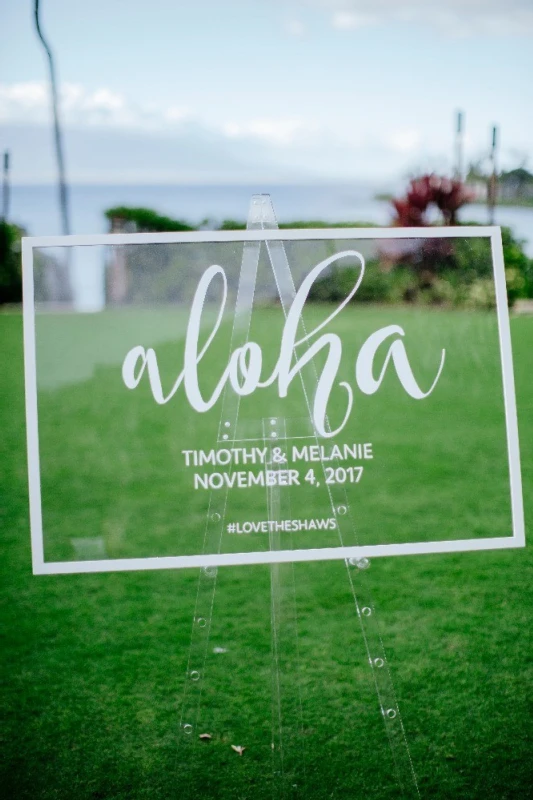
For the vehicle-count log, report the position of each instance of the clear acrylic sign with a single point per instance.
(216, 398)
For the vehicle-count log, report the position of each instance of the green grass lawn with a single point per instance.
(93, 665)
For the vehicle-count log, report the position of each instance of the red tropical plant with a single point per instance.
(447, 194)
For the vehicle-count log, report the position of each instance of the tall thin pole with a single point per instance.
(62, 183)
(458, 171)
(493, 179)
(5, 188)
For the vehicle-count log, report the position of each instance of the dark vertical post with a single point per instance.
(492, 189)
(5, 188)
(63, 194)
(458, 171)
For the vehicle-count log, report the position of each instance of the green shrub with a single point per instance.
(516, 283)
(10, 263)
(315, 223)
(375, 286)
(518, 267)
(481, 295)
(403, 286)
(236, 225)
(144, 220)
(337, 284)
(232, 225)
(474, 261)
(441, 293)
(398, 286)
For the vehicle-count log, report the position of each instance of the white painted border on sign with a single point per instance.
(40, 567)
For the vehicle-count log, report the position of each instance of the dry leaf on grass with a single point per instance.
(238, 749)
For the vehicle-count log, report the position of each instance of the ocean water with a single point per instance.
(36, 207)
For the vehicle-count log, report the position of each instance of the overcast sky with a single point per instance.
(277, 90)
